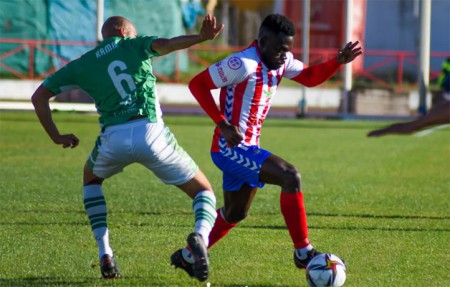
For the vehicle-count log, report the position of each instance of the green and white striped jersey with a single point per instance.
(118, 75)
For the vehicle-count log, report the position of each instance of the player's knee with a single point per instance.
(291, 179)
(90, 178)
(235, 215)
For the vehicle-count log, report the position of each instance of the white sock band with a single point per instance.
(95, 206)
(204, 206)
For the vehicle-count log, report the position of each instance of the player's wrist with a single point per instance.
(202, 37)
(338, 60)
(223, 123)
(220, 119)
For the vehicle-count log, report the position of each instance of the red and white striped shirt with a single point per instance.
(248, 87)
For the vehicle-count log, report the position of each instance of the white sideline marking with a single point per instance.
(53, 106)
(429, 131)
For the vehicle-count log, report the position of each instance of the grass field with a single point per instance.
(382, 204)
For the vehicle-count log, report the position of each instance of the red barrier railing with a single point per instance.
(396, 58)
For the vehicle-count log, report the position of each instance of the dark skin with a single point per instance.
(275, 170)
(438, 115)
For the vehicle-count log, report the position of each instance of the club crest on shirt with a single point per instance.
(234, 63)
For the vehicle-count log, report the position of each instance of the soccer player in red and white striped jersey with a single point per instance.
(248, 81)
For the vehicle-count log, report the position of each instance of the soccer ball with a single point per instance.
(325, 270)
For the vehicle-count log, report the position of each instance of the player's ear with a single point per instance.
(123, 31)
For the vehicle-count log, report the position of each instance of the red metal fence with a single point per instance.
(371, 73)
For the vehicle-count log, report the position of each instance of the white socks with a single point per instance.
(95, 206)
(302, 253)
(204, 206)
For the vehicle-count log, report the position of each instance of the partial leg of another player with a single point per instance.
(276, 170)
(196, 261)
(235, 209)
(438, 115)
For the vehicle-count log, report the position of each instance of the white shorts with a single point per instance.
(140, 141)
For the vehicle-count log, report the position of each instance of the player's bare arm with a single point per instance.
(40, 100)
(438, 115)
(208, 31)
(349, 52)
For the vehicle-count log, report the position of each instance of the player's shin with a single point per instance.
(95, 206)
(294, 213)
(220, 229)
(204, 206)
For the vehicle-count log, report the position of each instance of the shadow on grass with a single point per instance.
(246, 226)
(89, 282)
(352, 228)
(155, 213)
(359, 228)
(374, 216)
(84, 212)
(46, 281)
(252, 285)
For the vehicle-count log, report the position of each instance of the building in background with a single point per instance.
(381, 25)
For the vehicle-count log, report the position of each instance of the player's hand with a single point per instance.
(349, 53)
(209, 29)
(66, 141)
(400, 129)
(231, 133)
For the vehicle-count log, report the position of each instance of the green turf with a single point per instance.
(382, 204)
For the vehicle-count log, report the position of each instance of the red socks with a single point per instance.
(294, 213)
(220, 229)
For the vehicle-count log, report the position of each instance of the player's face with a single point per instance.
(273, 48)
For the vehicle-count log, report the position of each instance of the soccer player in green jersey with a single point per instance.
(118, 76)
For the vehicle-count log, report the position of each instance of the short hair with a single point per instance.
(112, 25)
(277, 23)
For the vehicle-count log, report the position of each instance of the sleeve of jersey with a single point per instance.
(146, 42)
(59, 79)
(201, 86)
(317, 74)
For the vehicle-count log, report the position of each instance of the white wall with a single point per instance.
(13, 91)
(179, 94)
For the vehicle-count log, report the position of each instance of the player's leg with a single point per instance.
(95, 206)
(203, 205)
(240, 167)
(161, 153)
(196, 261)
(105, 160)
(276, 170)
(235, 209)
